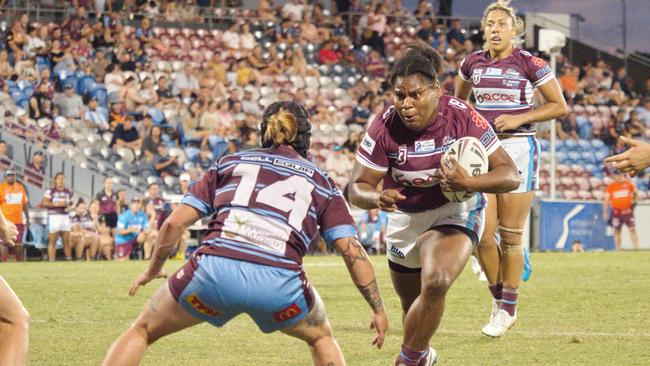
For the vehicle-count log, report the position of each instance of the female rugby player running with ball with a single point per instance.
(429, 239)
(503, 78)
(266, 206)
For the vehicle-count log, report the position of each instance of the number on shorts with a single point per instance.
(275, 195)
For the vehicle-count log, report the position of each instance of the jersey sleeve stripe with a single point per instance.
(367, 163)
(544, 80)
(462, 75)
(338, 232)
(195, 202)
(493, 146)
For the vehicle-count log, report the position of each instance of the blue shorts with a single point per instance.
(217, 289)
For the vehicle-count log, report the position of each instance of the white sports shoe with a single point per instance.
(476, 266)
(431, 359)
(499, 324)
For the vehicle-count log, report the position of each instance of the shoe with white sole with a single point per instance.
(499, 324)
(431, 359)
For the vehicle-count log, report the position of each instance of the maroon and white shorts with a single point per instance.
(620, 217)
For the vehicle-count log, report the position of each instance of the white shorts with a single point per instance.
(404, 228)
(58, 222)
(525, 152)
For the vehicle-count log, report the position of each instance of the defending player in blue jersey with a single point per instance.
(267, 206)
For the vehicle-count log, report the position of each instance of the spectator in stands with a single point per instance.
(114, 81)
(375, 66)
(185, 83)
(352, 143)
(293, 10)
(129, 94)
(40, 105)
(455, 36)
(121, 204)
(14, 204)
(338, 162)
(164, 91)
(634, 125)
(5, 156)
(35, 170)
(165, 164)
(6, 70)
(372, 230)
(361, 112)
(184, 184)
(153, 140)
(327, 55)
(58, 201)
(130, 232)
(96, 116)
(249, 105)
(251, 140)
(70, 104)
(426, 32)
(621, 196)
(204, 158)
(83, 232)
(424, 10)
(615, 128)
(265, 10)
(22, 127)
(16, 40)
(569, 82)
(117, 117)
(107, 200)
(126, 135)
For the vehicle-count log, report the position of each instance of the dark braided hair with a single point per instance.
(418, 58)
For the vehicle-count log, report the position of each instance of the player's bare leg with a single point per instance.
(489, 254)
(93, 247)
(315, 330)
(77, 242)
(67, 248)
(14, 328)
(161, 316)
(4, 253)
(633, 236)
(106, 244)
(444, 252)
(51, 246)
(513, 210)
(617, 239)
(407, 286)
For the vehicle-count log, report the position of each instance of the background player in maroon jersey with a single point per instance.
(503, 79)
(429, 239)
(58, 201)
(268, 206)
(14, 319)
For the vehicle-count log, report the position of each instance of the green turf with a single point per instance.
(580, 309)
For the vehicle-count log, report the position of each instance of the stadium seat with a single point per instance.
(569, 195)
(585, 195)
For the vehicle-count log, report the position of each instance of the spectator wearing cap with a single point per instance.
(14, 203)
(126, 135)
(130, 231)
(96, 116)
(70, 104)
(338, 162)
(58, 201)
(5, 156)
(35, 170)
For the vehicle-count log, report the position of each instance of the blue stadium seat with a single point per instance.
(596, 143)
(584, 145)
(570, 145)
(588, 157)
(101, 94)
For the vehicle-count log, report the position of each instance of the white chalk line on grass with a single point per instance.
(455, 333)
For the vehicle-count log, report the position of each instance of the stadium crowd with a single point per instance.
(168, 101)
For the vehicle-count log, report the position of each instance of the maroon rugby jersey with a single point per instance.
(56, 196)
(505, 86)
(268, 206)
(106, 202)
(411, 159)
(85, 221)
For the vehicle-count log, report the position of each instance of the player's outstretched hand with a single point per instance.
(634, 160)
(8, 233)
(388, 198)
(380, 324)
(143, 279)
(452, 176)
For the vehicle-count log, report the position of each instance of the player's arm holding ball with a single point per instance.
(501, 177)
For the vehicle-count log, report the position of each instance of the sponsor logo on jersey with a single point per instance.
(543, 72)
(368, 144)
(249, 227)
(512, 74)
(497, 96)
(293, 166)
(479, 120)
(425, 145)
(511, 83)
(448, 140)
(200, 306)
(396, 252)
(457, 104)
(476, 76)
(415, 178)
(287, 313)
(401, 155)
(493, 71)
(538, 62)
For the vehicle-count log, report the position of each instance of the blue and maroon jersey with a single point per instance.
(505, 86)
(268, 206)
(411, 159)
(84, 221)
(57, 196)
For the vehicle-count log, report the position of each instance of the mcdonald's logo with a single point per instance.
(202, 308)
(287, 313)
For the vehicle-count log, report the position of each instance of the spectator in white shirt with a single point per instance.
(69, 103)
(293, 10)
(185, 83)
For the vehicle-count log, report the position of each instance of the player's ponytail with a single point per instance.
(420, 59)
(282, 128)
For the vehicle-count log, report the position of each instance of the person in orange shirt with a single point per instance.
(13, 203)
(621, 196)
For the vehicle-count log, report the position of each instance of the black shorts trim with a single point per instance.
(401, 269)
(471, 234)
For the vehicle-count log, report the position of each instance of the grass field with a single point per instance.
(584, 309)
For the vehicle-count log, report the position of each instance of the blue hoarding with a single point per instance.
(563, 223)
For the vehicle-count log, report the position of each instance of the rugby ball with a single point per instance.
(472, 156)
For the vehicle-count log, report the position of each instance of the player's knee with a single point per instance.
(510, 240)
(436, 285)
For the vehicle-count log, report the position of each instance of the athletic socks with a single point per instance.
(509, 300)
(410, 358)
(497, 291)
